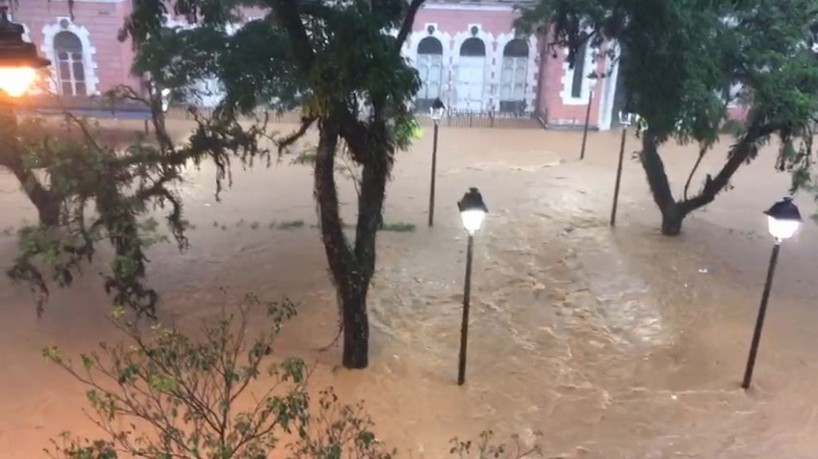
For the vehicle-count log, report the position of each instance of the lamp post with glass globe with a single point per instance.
(437, 110)
(783, 220)
(593, 77)
(472, 212)
(625, 119)
(19, 61)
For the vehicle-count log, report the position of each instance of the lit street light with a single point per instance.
(437, 110)
(592, 80)
(783, 220)
(625, 119)
(472, 211)
(19, 61)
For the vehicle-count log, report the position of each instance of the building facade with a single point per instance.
(467, 54)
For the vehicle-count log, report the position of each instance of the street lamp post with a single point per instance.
(625, 119)
(472, 212)
(592, 79)
(783, 220)
(437, 110)
(19, 61)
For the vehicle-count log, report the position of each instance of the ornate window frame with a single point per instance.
(533, 67)
(65, 24)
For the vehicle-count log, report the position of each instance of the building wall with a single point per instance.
(106, 60)
(453, 24)
(548, 80)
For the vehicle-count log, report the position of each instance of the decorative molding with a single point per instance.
(411, 53)
(26, 31)
(88, 52)
(532, 67)
(490, 76)
(568, 79)
(606, 102)
(456, 7)
(415, 37)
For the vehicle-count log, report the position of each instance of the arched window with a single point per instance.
(471, 74)
(514, 76)
(579, 71)
(70, 68)
(473, 47)
(430, 68)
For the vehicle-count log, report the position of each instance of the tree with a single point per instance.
(334, 61)
(102, 194)
(681, 56)
(164, 393)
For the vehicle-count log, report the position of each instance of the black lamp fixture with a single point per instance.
(19, 61)
(436, 110)
(783, 221)
(473, 212)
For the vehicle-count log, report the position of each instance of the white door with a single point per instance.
(471, 74)
(515, 72)
(430, 68)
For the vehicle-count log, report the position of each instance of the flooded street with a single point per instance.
(614, 343)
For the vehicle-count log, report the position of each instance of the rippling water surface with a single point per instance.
(614, 343)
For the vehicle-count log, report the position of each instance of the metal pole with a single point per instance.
(618, 175)
(587, 120)
(762, 311)
(432, 190)
(464, 326)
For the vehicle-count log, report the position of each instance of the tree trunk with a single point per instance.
(351, 279)
(356, 328)
(672, 218)
(672, 213)
(46, 201)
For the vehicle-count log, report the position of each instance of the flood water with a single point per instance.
(614, 343)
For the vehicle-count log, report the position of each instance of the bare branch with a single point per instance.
(286, 142)
(408, 22)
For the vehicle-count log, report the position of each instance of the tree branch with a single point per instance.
(288, 15)
(286, 142)
(741, 152)
(702, 151)
(408, 21)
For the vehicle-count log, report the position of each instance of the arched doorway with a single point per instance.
(471, 74)
(514, 76)
(430, 67)
(70, 68)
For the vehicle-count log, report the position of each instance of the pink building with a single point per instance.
(466, 52)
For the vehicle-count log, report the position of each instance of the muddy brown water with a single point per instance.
(615, 343)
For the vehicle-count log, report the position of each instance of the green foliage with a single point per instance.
(680, 56)
(103, 195)
(485, 447)
(399, 227)
(167, 394)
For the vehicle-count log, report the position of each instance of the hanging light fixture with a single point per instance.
(19, 61)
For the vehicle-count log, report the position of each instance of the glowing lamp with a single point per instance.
(472, 211)
(783, 219)
(437, 110)
(19, 61)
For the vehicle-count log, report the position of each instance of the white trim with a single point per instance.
(531, 70)
(567, 79)
(459, 7)
(606, 104)
(490, 76)
(26, 31)
(88, 52)
(410, 49)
